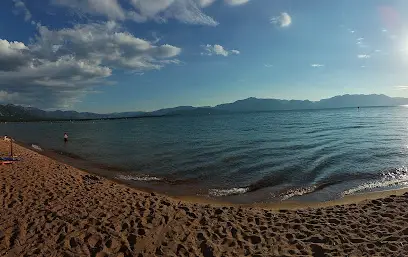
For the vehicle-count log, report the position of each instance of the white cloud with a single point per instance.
(401, 87)
(186, 11)
(363, 56)
(317, 65)
(20, 7)
(12, 55)
(103, 43)
(283, 20)
(268, 65)
(236, 2)
(205, 3)
(150, 8)
(218, 50)
(360, 42)
(60, 66)
(108, 8)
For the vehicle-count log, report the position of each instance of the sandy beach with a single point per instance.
(51, 209)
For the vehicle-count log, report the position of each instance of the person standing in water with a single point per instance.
(65, 137)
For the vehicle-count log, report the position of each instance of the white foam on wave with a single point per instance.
(391, 178)
(227, 192)
(36, 147)
(297, 192)
(138, 178)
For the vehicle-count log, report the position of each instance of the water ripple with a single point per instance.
(292, 154)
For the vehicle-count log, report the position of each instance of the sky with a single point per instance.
(141, 55)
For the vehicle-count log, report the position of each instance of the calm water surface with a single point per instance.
(252, 157)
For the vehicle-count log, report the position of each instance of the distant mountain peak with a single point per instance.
(252, 104)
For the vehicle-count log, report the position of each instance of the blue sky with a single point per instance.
(128, 55)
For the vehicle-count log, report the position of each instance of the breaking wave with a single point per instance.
(228, 192)
(297, 192)
(36, 147)
(389, 178)
(138, 178)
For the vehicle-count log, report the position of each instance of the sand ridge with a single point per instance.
(48, 208)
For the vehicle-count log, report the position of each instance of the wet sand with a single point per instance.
(48, 208)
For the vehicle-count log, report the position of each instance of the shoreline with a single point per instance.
(98, 170)
(244, 179)
(48, 208)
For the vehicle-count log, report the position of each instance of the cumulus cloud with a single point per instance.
(12, 55)
(317, 65)
(60, 66)
(108, 8)
(283, 20)
(186, 11)
(218, 50)
(104, 43)
(363, 56)
(20, 7)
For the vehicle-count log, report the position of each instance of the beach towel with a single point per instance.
(10, 159)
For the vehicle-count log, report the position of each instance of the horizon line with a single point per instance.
(206, 106)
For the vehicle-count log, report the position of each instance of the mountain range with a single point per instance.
(11, 112)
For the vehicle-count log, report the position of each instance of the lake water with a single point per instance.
(310, 155)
